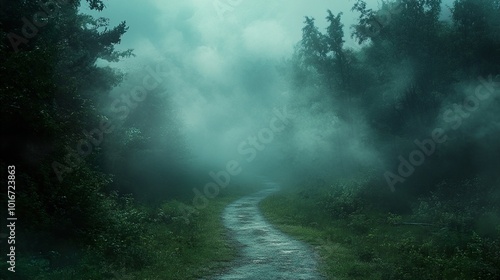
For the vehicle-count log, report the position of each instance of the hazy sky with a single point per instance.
(220, 55)
(258, 26)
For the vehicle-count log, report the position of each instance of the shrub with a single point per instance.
(342, 200)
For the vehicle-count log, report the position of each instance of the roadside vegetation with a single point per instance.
(430, 209)
(136, 241)
(362, 231)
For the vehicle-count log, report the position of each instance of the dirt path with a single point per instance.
(266, 253)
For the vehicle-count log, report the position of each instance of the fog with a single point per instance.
(186, 139)
(225, 68)
(224, 80)
(222, 66)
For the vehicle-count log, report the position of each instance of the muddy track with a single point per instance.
(266, 253)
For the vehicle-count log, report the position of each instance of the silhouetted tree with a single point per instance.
(49, 89)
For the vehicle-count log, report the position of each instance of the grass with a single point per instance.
(176, 257)
(369, 243)
(167, 248)
(330, 239)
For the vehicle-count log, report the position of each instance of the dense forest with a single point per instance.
(392, 151)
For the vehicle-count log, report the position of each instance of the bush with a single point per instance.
(359, 223)
(353, 196)
(457, 207)
(121, 241)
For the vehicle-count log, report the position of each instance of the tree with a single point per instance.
(49, 92)
(335, 41)
(477, 29)
(314, 48)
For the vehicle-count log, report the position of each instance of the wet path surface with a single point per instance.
(266, 253)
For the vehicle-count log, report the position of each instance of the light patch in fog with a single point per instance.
(267, 38)
(249, 148)
(209, 63)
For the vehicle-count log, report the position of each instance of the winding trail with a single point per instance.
(266, 253)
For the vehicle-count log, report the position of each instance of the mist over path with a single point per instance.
(266, 253)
